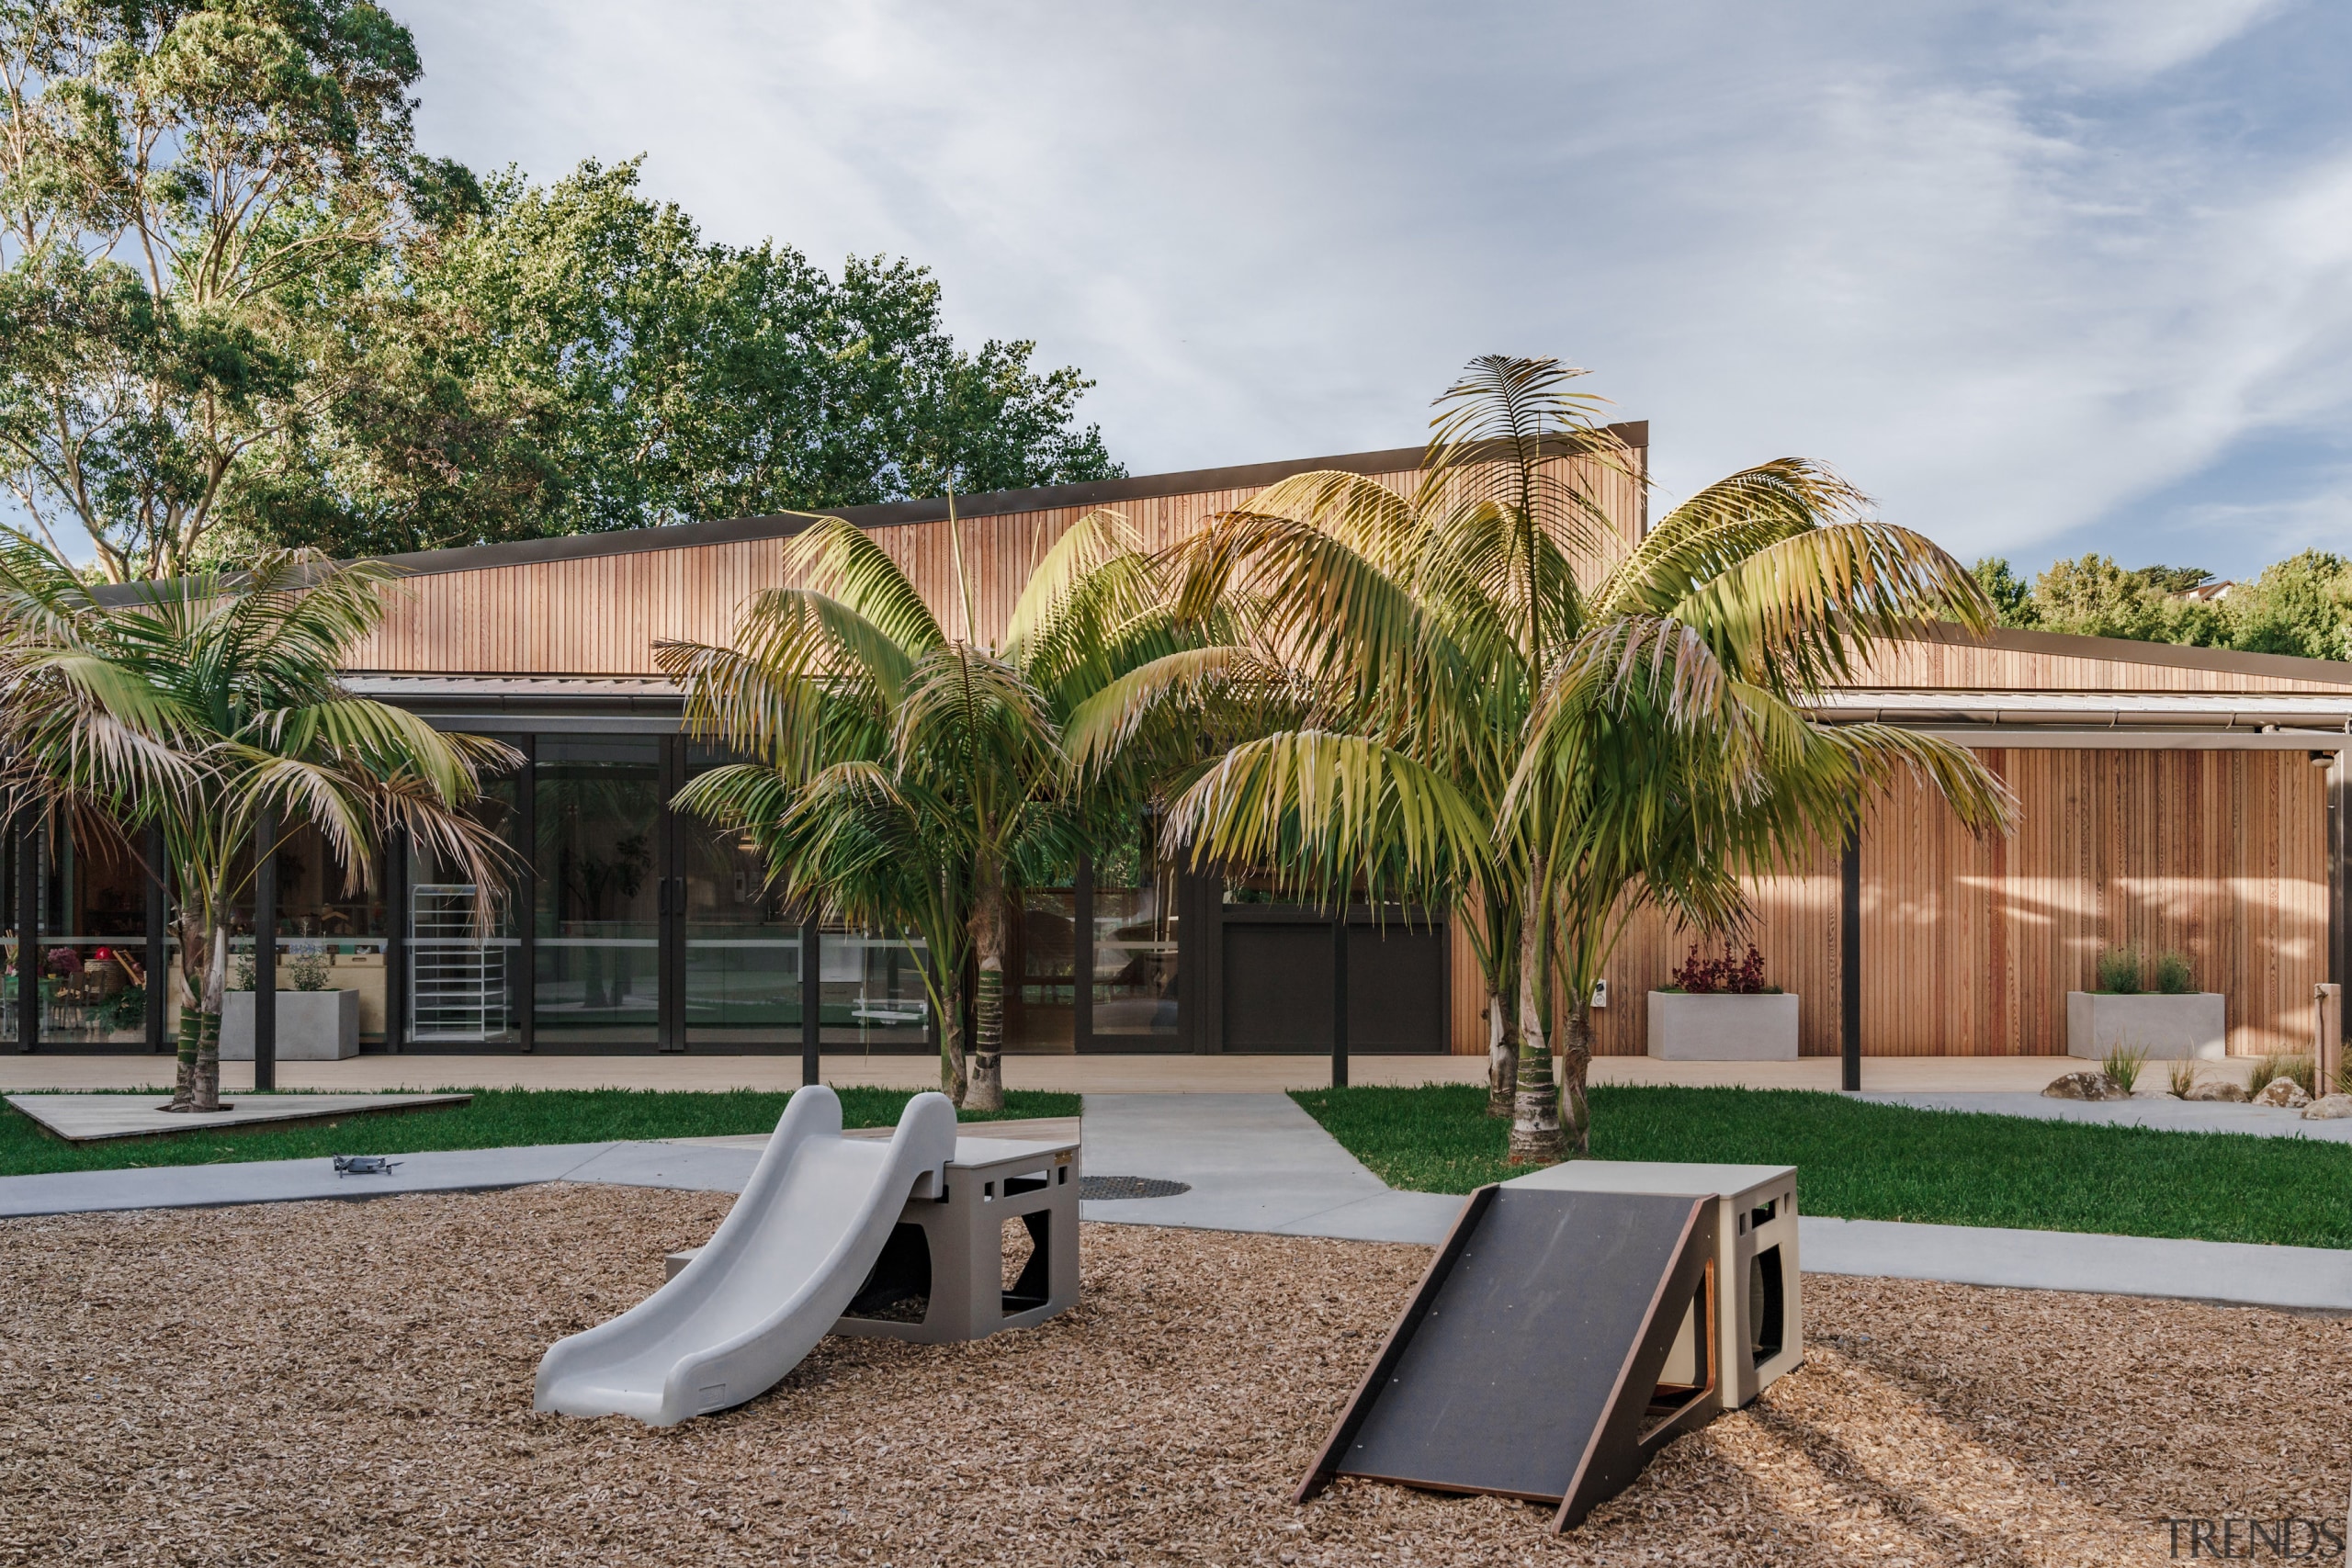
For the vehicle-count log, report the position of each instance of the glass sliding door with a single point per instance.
(741, 946)
(465, 973)
(599, 809)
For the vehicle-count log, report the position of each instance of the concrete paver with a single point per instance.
(1259, 1163)
(377, 1073)
(1255, 1162)
(2300, 1277)
(280, 1181)
(91, 1118)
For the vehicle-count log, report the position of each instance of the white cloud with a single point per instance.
(2015, 268)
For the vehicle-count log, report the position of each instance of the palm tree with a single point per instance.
(1512, 707)
(907, 779)
(203, 707)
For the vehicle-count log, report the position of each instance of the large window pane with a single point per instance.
(597, 930)
(742, 945)
(463, 978)
(871, 991)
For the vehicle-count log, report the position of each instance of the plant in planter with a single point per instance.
(2153, 1007)
(1719, 1010)
(316, 1022)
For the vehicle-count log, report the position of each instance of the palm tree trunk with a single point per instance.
(1502, 1052)
(196, 1085)
(207, 1095)
(1536, 1137)
(953, 1082)
(987, 1000)
(1575, 1116)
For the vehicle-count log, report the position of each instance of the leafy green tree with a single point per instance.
(2302, 605)
(1512, 707)
(2010, 595)
(906, 776)
(199, 705)
(174, 176)
(576, 358)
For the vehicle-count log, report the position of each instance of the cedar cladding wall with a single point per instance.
(602, 616)
(1969, 946)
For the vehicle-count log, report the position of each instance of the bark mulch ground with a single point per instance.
(350, 1383)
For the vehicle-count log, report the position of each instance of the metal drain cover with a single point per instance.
(1102, 1187)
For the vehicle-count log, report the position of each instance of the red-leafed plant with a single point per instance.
(1739, 976)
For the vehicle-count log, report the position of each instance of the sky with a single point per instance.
(2042, 277)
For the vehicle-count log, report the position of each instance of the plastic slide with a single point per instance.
(773, 1281)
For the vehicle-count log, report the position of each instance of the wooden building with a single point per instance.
(2176, 798)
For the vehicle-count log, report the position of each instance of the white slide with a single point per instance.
(773, 1281)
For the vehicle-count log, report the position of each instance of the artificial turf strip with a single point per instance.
(1860, 1160)
(497, 1119)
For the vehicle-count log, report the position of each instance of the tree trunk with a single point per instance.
(197, 1083)
(1536, 1137)
(987, 1000)
(1575, 1116)
(952, 1081)
(1502, 1052)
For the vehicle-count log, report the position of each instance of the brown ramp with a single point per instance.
(1532, 1360)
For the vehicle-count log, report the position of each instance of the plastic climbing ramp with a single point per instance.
(1558, 1340)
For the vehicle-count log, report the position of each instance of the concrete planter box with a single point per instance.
(1724, 1026)
(2168, 1028)
(312, 1026)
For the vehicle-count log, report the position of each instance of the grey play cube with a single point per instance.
(944, 1275)
(1762, 1321)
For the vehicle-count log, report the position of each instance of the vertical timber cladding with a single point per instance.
(1970, 945)
(597, 605)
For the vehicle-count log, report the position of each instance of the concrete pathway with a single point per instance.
(1255, 1162)
(93, 1118)
(1258, 1163)
(2304, 1277)
(377, 1073)
(2160, 1111)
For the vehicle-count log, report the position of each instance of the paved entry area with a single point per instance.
(1255, 1162)
(93, 1118)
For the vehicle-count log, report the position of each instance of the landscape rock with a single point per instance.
(2230, 1093)
(2086, 1086)
(2283, 1092)
(2328, 1108)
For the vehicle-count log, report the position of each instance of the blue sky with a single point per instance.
(2043, 277)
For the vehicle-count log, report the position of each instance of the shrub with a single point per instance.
(2173, 976)
(307, 967)
(2119, 970)
(1738, 976)
(2182, 1077)
(2122, 1065)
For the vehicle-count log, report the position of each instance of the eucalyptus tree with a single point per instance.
(1512, 705)
(903, 777)
(203, 707)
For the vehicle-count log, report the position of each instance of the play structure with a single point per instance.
(1573, 1322)
(835, 1234)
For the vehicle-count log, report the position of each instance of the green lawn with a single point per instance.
(498, 1119)
(1865, 1161)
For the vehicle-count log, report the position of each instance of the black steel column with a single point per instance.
(1081, 957)
(523, 984)
(159, 940)
(28, 954)
(1849, 959)
(397, 999)
(812, 995)
(1340, 1000)
(265, 953)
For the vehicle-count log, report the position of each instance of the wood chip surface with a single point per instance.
(351, 1383)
